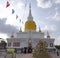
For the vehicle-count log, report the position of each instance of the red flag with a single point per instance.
(7, 4)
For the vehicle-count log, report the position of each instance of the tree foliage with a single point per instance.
(40, 51)
(3, 43)
(57, 46)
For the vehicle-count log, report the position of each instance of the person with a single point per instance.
(29, 50)
(57, 53)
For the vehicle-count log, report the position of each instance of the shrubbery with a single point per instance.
(57, 46)
(40, 51)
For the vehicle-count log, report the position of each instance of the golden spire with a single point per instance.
(30, 24)
(12, 35)
(40, 30)
(20, 30)
(48, 36)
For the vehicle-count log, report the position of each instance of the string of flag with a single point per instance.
(13, 10)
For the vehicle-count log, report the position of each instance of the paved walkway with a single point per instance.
(54, 55)
(30, 56)
(24, 56)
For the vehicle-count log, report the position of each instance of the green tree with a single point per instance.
(40, 51)
(58, 47)
(3, 43)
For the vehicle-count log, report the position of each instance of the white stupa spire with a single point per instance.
(30, 15)
(48, 35)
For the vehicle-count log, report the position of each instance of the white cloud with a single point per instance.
(3, 12)
(55, 17)
(57, 41)
(11, 18)
(20, 5)
(6, 28)
(47, 3)
(50, 27)
(43, 4)
(58, 37)
(11, 23)
(3, 36)
(57, 1)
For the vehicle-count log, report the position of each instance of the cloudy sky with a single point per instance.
(46, 14)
